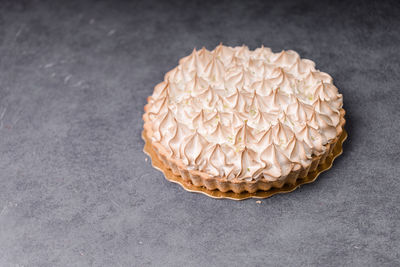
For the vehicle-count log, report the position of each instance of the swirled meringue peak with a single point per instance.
(239, 114)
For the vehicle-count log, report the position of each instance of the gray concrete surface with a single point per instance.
(75, 186)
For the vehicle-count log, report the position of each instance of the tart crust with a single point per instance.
(202, 179)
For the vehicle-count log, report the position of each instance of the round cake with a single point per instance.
(242, 120)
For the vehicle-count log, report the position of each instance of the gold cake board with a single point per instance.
(311, 177)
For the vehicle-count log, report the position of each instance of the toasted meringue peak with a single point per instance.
(160, 90)
(224, 53)
(241, 114)
(196, 85)
(244, 135)
(220, 133)
(299, 111)
(215, 70)
(219, 165)
(181, 133)
(235, 77)
(281, 133)
(191, 62)
(237, 101)
(204, 57)
(159, 105)
(277, 164)
(263, 53)
(242, 52)
(298, 152)
(317, 76)
(285, 58)
(194, 148)
(263, 86)
(251, 166)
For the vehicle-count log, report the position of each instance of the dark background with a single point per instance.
(76, 190)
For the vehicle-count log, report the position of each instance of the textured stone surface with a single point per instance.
(77, 190)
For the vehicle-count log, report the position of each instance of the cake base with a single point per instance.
(188, 186)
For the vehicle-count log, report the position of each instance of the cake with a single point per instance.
(243, 120)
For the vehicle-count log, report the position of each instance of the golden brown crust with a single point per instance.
(199, 178)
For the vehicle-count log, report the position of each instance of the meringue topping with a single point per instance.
(240, 114)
